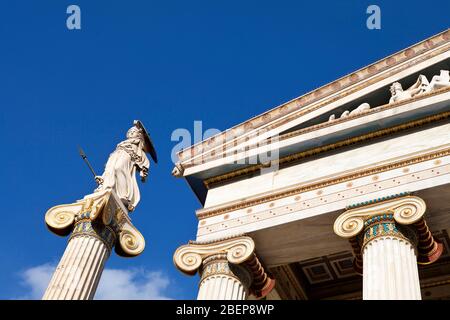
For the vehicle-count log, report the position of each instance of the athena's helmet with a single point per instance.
(135, 132)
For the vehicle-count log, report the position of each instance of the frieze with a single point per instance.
(301, 188)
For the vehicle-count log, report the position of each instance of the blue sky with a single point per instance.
(166, 63)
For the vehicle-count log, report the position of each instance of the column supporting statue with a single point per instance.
(100, 221)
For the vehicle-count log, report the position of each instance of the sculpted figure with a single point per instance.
(123, 164)
(362, 107)
(398, 94)
(440, 81)
(345, 114)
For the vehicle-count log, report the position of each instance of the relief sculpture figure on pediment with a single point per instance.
(360, 109)
(419, 87)
(440, 81)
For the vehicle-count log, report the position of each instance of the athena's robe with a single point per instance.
(120, 171)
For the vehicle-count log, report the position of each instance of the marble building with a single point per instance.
(342, 193)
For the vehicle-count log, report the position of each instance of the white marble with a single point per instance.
(315, 170)
(440, 81)
(77, 275)
(221, 287)
(120, 170)
(390, 270)
(399, 94)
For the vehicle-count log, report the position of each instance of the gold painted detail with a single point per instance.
(210, 182)
(89, 228)
(384, 226)
(218, 265)
(300, 188)
(339, 198)
(99, 215)
(373, 201)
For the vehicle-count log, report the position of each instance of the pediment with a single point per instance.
(356, 104)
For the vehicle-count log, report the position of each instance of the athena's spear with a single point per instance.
(84, 157)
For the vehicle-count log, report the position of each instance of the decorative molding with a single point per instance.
(87, 227)
(100, 215)
(218, 265)
(373, 201)
(300, 188)
(384, 226)
(211, 182)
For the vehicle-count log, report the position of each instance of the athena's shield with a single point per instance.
(148, 147)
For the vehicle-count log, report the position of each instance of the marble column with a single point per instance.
(97, 225)
(389, 261)
(229, 269)
(387, 236)
(78, 273)
(222, 281)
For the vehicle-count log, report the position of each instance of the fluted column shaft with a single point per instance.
(77, 274)
(222, 281)
(79, 270)
(389, 261)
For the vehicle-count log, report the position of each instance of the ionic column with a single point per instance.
(389, 237)
(77, 275)
(97, 223)
(229, 269)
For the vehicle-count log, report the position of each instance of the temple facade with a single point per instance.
(342, 193)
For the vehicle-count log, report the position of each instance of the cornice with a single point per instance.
(209, 183)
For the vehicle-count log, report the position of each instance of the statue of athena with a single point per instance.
(123, 164)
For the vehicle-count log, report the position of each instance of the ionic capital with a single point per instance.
(406, 211)
(100, 215)
(188, 258)
(240, 251)
(379, 218)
